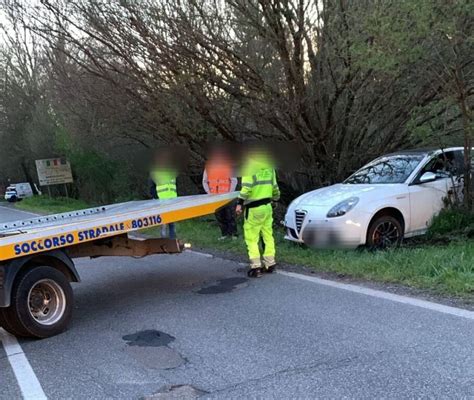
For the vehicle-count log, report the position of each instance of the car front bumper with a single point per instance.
(340, 232)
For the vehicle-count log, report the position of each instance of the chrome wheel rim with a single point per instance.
(386, 234)
(46, 302)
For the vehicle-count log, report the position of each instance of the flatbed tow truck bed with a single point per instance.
(36, 254)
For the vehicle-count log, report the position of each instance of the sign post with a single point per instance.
(54, 171)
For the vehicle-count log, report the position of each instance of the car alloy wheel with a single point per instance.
(386, 234)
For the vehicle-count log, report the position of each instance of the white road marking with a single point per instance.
(199, 253)
(29, 385)
(458, 312)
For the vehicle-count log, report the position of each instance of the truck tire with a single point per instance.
(6, 324)
(41, 303)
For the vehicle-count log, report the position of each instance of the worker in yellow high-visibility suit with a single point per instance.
(165, 181)
(259, 189)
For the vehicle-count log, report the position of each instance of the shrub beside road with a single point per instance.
(442, 262)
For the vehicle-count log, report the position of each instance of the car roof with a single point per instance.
(422, 151)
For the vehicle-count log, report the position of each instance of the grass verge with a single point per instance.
(48, 205)
(446, 269)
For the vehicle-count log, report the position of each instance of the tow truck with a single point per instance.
(36, 254)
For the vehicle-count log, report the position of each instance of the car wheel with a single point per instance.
(384, 232)
(12, 199)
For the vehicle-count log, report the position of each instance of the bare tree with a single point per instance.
(151, 71)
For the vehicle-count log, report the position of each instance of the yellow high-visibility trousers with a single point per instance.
(258, 223)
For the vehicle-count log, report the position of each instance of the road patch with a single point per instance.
(150, 348)
(224, 286)
(162, 358)
(178, 392)
(148, 338)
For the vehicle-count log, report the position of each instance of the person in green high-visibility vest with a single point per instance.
(259, 189)
(165, 181)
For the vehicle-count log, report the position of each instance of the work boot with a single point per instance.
(270, 270)
(254, 272)
(269, 264)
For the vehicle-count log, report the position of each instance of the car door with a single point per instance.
(427, 199)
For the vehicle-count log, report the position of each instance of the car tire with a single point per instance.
(12, 199)
(41, 303)
(384, 232)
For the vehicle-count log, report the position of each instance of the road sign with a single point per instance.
(53, 171)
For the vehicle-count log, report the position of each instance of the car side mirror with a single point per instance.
(428, 177)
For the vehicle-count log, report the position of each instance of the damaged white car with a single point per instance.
(392, 197)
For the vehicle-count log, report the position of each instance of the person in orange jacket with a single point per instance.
(219, 177)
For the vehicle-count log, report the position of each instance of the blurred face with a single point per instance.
(220, 157)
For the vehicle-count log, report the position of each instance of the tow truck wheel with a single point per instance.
(41, 303)
(5, 323)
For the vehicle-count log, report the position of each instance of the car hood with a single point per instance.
(331, 195)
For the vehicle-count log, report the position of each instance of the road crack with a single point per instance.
(322, 365)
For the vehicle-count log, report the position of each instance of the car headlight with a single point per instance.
(343, 207)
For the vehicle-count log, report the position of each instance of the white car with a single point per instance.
(392, 197)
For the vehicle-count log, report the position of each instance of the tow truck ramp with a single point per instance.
(36, 254)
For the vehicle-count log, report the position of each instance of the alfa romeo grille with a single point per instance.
(299, 218)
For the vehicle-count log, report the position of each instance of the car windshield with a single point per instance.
(393, 169)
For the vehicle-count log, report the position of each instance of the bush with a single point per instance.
(452, 220)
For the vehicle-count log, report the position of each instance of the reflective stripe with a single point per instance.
(255, 183)
(166, 190)
(217, 186)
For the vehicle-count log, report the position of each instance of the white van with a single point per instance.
(18, 191)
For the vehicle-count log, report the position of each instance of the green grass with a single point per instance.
(49, 205)
(446, 269)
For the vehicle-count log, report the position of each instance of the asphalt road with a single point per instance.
(143, 326)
